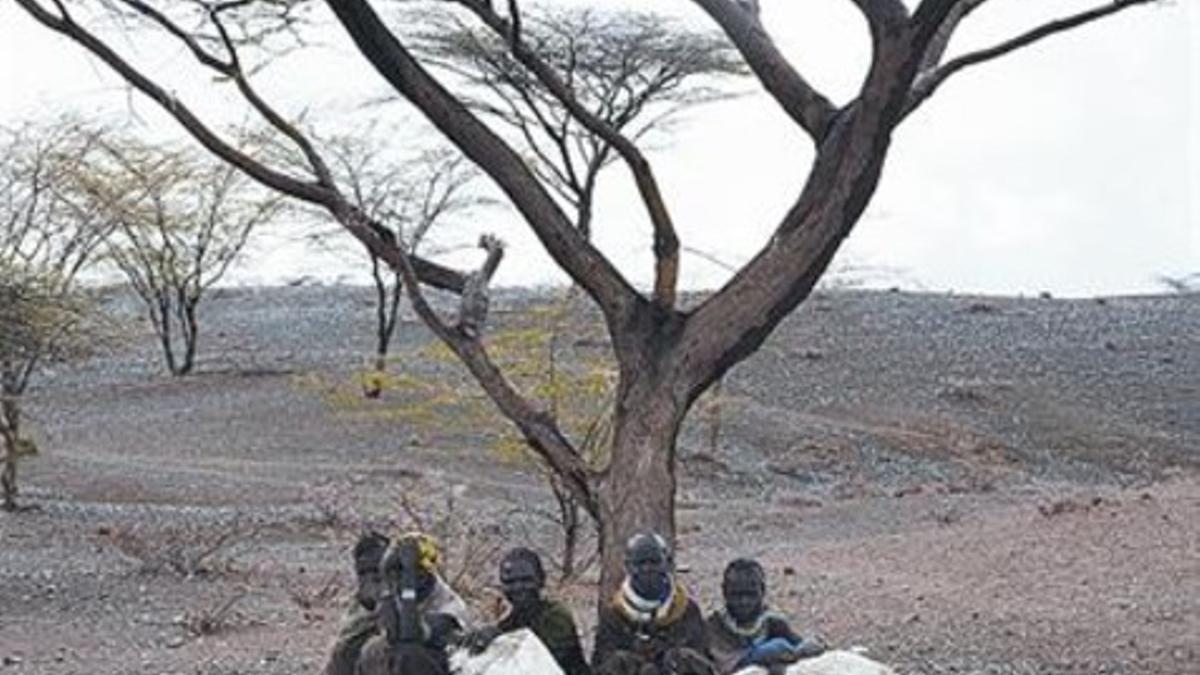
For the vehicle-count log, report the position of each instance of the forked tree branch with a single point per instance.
(929, 82)
(209, 139)
(313, 193)
(799, 99)
(940, 39)
(574, 254)
(537, 426)
(733, 322)
(232, 69)
(315, 161)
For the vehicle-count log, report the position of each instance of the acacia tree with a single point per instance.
(667, 356)
(44, 318)
(633, 72)
(407, 197)
(46, 238)
(181, 221)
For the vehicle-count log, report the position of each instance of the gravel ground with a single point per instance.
(958, 484)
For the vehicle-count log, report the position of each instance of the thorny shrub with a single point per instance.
(308, 594)
(213, 619)
(470, 548)
(184, 550)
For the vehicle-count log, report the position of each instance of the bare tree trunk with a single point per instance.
(10, 430)
(164, 314)
(190, 331)
(387, 312)
(637, 492)
(162, 326)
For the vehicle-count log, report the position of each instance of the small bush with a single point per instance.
(211, 620)
(471, 550)
(308, 595)
(180, 550)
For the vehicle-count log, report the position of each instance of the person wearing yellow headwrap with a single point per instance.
(403, 610)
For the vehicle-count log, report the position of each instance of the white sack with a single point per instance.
(834, 662)
(516, 653)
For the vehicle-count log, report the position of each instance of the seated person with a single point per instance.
(522, 579)
(404, 615)
(651, 626)
(745, 633)
(359, 621)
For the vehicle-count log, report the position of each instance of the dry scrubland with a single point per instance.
(957, 484)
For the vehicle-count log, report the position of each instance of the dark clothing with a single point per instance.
(672, 641)
(734, 649)
(673, 661)
(555, 627)
(358, 625)
(380, 658)
(442, 610)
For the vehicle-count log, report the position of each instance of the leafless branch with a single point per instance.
(586, 265)
(473, 307)
(940, 39)
(538, 427)
(930, 81)
(666, 241)
(799, 99)
(323, 195)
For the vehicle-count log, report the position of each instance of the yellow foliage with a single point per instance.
(24, 447)
(439, 352)
(308, 381)
(511, 449)
(518, 344)
(398, 382)
(574, 382)
(373, 380)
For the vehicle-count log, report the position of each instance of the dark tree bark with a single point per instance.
(176, 324)
(14, 380)
(387, 311)
(191, 334)
(10, 435)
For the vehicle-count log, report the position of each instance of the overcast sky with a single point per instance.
(1071, 166)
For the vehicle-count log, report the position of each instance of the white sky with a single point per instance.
(1071, 166)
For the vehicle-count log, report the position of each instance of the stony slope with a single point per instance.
(960, 484)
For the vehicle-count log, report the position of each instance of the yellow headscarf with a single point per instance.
(428, 555)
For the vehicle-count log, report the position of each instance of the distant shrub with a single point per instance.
(212, 620)
(186, 551)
